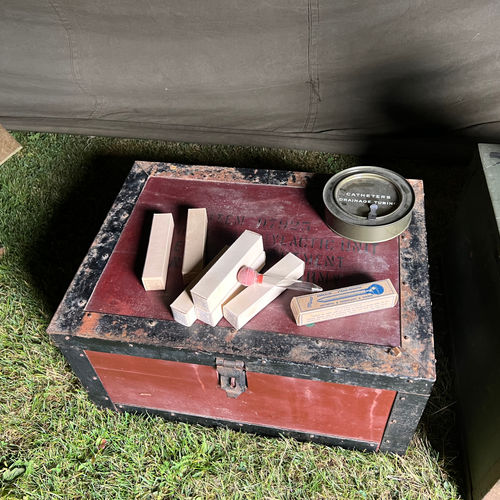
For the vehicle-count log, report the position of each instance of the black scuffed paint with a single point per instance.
(403, 420)
(75, 356)
(90, 271)
(414, 277)
(276, 177)
(281, 177)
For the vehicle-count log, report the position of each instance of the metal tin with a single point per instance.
(368, 204)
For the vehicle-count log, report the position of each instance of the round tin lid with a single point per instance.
(368, 204)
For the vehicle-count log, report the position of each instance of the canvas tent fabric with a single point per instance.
(327, 75)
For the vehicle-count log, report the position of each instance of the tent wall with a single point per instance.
(337, 75)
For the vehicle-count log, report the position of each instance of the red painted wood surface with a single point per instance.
(287, 222)
(271, 400)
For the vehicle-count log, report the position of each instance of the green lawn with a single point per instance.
(54, 443)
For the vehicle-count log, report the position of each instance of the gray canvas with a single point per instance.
(331, 75)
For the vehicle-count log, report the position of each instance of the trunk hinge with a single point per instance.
(232, 376)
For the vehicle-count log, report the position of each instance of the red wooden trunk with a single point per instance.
(360, 381)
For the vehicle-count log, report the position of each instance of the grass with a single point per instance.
(54, 443)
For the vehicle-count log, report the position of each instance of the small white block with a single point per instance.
(254, 298)
(214, 316)
(154, 274)
(182, 307)
(194, 245)
(218, 282)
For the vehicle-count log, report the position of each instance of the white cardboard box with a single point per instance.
(331, 304)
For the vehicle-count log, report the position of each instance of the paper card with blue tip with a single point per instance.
(348, 301)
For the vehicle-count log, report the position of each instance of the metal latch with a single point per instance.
(232, 376)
